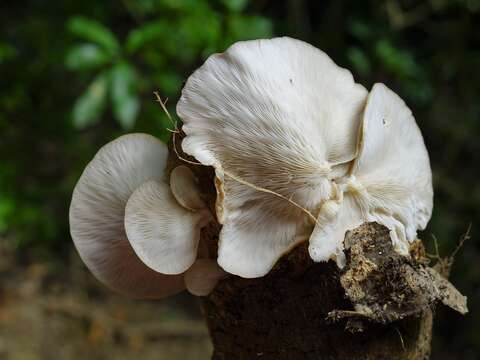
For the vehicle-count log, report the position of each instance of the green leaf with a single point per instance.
(397, 61)
(7, 52)
(359, 29)
(90, 105)
(359, 60)
(125, 99)
(7, 209)
(249, 27)
(94, 31)
(201, 31)
(85, 57)
(235, 5)
(170, 82)
(145, 34)
(183, 5)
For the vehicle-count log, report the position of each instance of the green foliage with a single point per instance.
(86, 57)
(145, 34)
(93, 31)
(89, 106)
(359, 60)
(235, 5)
(125, 98)
(395, 60)
(128, 70)
(249, 28)
(7, 52)
(74, 82)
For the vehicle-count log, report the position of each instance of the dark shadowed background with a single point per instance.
(76, 74)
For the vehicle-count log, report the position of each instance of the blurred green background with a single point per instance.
(76, 74)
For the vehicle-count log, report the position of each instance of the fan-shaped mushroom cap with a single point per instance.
(97, 215)
(391, 180)
(278, 114)
(393, 166)
(184, 186)
(163, 234)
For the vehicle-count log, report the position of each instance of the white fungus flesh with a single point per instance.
(279, 115)
(336, 217)
(393, 166)
(390, 180)
(97, 215)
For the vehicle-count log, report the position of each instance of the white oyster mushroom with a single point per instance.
(131, 168)
(390, 182)
(278, 114)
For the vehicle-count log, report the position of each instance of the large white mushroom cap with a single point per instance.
(278, 114)
(126, 177)
(390, 181)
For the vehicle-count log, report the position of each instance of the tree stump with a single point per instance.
(291, 314)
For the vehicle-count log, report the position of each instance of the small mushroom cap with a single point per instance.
(97, 215)
(184, 186)
(390, 181)
(278, 114)
(163, 234)
(203, 276)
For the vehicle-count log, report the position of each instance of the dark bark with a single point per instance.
(290, 314)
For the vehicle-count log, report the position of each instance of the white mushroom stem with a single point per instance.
(203, 276)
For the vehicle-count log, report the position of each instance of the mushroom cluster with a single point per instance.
(300, 151)
(136, 232)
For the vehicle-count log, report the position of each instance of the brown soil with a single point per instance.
(47, 312)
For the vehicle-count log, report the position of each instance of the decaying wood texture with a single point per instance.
(378, 307)
(292, 313)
